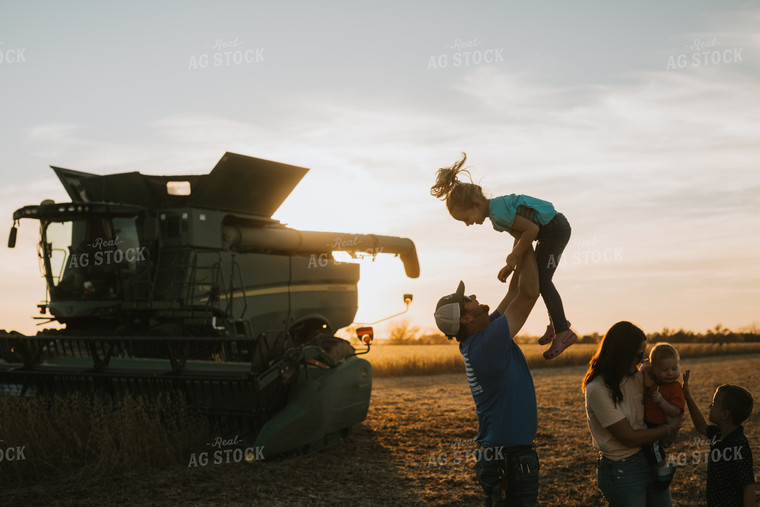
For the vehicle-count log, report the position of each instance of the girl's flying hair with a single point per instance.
(457, 194)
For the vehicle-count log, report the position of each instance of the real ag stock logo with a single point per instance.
(587, 251)
(106, 251)
(705, 53)
(342, 245)
(11, 453)
(467, 455)
(226, 451)
(226, 53)
(11, 55)
(464, 53)
(713, 454)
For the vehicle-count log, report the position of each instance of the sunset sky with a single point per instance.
(639, 121)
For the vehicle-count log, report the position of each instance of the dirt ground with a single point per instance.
(406, 453)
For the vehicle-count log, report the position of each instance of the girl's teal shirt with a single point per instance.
(502, 211)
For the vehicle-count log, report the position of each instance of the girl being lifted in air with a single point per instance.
(527, 219)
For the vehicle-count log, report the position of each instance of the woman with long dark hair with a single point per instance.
(614, 389)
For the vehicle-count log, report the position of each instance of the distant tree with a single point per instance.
(672, 336)
(402, 333)
(590, 338)
(525, 338)
(718, 334)
(433, 339)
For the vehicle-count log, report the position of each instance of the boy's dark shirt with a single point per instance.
(726, 478)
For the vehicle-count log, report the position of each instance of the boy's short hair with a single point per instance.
(661, 351)
(737, 400)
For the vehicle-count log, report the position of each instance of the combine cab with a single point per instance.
(186, 285)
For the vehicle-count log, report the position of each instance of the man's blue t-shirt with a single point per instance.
(501, 385)
(502, 211)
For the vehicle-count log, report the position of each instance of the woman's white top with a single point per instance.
(602, 413)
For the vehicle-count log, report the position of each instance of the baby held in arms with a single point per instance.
(664, 401)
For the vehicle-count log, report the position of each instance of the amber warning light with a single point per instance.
(365, 334)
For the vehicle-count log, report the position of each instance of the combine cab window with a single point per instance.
(92, 258)
(59, 243)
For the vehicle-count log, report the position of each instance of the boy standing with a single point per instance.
(730, 476)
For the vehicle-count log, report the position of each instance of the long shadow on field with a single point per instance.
(361, 471)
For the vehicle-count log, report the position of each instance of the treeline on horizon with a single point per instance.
(405, 334)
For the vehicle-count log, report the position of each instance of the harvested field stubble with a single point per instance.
(79, 437)
(396, 456)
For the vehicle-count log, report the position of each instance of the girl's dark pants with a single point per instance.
(552, 240)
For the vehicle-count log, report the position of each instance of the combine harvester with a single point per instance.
(186, 285)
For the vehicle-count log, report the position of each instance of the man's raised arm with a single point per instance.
(522, 293)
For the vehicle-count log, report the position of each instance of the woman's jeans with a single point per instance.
(552, 240)
(629, 482)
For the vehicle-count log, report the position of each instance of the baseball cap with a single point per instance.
(449, 310)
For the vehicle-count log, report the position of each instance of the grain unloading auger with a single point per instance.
(186, 285)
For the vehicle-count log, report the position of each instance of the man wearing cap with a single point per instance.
(501, 385)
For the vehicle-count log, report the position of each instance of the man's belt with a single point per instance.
(518, 450)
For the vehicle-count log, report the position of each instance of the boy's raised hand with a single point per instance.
(696, 416)
(646, 369)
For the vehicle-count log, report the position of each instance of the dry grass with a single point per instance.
(387, 461)
(90, 439)
(410, 360)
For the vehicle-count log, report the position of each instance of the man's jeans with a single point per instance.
(522, 483)
(629, 482)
